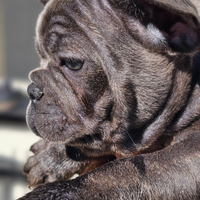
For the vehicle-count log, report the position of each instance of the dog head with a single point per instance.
(113, 73)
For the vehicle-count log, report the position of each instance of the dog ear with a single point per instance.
(44, 1)
(165, 24)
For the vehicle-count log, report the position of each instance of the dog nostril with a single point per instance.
(34, 92)
(38, 94)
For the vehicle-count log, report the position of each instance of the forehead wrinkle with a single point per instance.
(54, 27)
(40, 25)
(78, 27)
(66, 32)
(40, 21)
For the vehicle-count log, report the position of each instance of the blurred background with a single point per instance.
(17, 58)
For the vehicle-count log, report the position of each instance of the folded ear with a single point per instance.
(44, 1)
(165, 24)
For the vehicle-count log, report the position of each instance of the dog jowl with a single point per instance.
(116, 100)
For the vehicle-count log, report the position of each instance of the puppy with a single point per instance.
(117, 101)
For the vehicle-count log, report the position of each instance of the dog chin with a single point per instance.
(47, 124)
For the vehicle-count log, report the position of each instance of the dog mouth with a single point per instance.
(48, 118)
(49, 123)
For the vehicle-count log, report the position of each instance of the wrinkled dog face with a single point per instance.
(101, 80)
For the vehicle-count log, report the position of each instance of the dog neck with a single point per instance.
(181, 112)
(191, 111)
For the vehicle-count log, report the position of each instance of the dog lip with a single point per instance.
(30, 115)
(33, 128)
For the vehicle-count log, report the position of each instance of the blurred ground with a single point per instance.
(17, 58)
(15, 139)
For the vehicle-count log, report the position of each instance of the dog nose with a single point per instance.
(34, 92)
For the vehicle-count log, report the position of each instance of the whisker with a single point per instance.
(131, 139)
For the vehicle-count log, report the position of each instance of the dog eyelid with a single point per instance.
(71, 63)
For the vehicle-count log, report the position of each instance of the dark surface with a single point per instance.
(13, 103)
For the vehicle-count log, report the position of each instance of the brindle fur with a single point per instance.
(128, 121)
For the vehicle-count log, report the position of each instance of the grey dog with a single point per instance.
(116, 100)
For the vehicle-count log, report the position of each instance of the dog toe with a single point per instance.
(38, 146)
(31, 162)
(36, 177)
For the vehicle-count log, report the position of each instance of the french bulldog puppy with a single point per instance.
(116, 100)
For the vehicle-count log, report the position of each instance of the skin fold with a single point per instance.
(116, 100)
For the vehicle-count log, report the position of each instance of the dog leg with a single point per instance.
(160, 175)
(57, 162)
(51, 163)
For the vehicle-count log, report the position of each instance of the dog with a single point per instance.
(116, 100)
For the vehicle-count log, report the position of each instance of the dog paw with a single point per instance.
(50, 163)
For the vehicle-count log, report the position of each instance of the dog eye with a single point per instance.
(71, 63)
